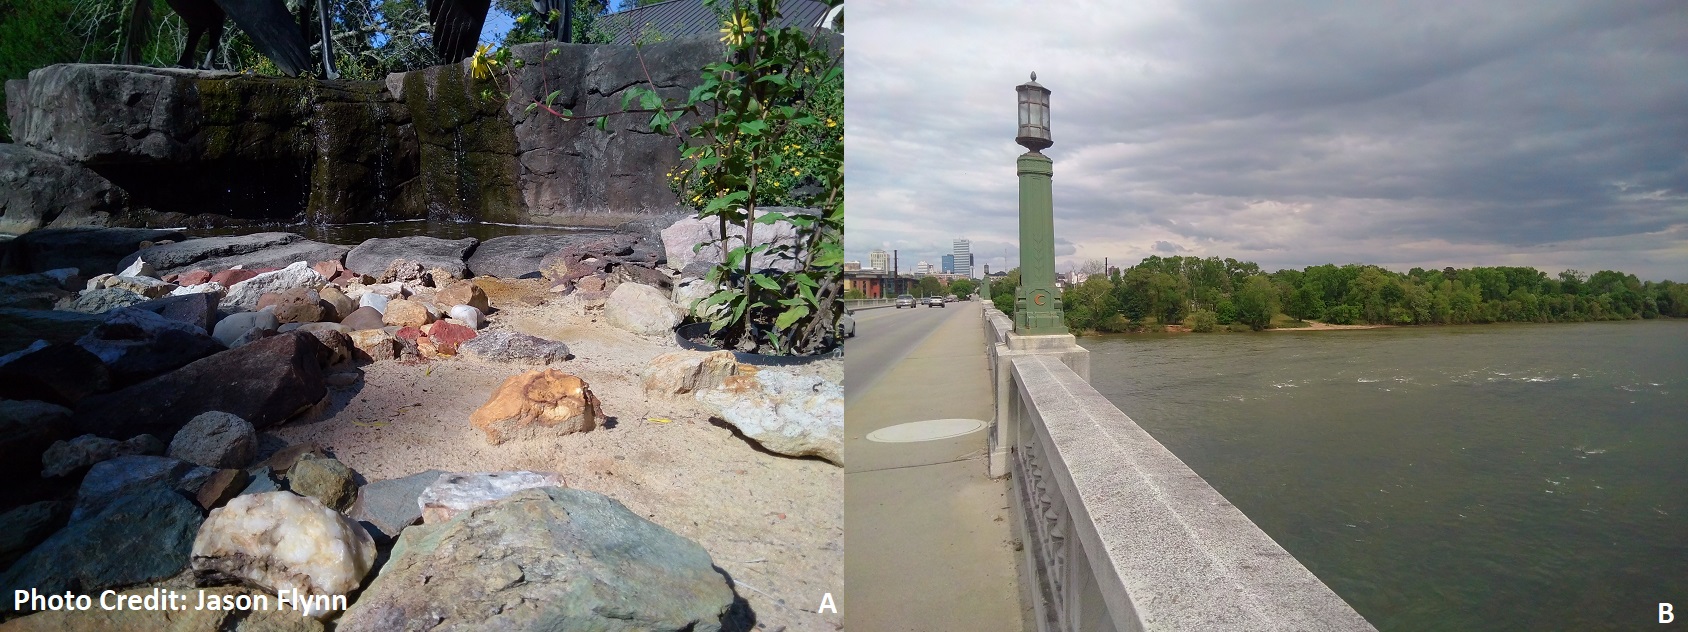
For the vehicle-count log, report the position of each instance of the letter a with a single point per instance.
(826, 604)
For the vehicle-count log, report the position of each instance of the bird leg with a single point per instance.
(328, 69)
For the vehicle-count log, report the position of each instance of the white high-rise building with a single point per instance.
(879, 260)
(962, 250)
(922, 269)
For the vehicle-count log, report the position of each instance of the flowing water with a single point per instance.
(1499, 477)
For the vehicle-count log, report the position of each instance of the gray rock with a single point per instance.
(265, 383)
(24, 527)
(136, 344)
(245, 294)
(262, 482)
(138, 267)
(213, 288)
(257, 250)
(114, 478)
(101, 301)
(690, 293)
(64, 458)
(215, 439)
(336, 345)
(502, 345)
(391, 505)
(518, 256)
(539, 548)
(642, 309)
(31, 291)
(790, 413)
(39, 189)
(28, 428)
(20, 328)
(20, 353)
(90, 250)
(145, 536)
(372, 257)
(61, 373)
(679, 239)
(142, 285)
(198, 310)
(235, 326)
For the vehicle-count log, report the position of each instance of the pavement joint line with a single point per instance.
(970, 457)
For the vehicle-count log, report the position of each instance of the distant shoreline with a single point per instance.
(1318, 326)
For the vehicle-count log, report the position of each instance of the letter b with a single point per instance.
(1665, 613)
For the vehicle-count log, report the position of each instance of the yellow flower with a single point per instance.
(831, 123)
(735, 28)
(482, 63)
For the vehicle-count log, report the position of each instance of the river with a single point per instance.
(1529, 477)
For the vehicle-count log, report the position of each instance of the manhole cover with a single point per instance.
(929, 430)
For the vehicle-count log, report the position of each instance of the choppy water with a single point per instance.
(1501, 477)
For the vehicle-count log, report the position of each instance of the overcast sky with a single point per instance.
(1540, 133)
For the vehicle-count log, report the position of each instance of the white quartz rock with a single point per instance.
(454, 493)
(282, 541)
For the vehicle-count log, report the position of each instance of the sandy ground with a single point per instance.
(775, 524)
(1313, 325)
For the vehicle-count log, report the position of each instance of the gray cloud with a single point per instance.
(1520, 133)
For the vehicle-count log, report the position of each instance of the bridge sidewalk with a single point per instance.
(929, 545)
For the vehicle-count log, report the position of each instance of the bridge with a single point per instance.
(1053, 511)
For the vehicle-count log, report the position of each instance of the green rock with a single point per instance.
(142, 537)
(327, 480)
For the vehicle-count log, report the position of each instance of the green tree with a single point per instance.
(931, 286)
(1257, 302)
(963, 287)
(1202, 321)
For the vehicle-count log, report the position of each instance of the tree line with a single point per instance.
(1211, 293)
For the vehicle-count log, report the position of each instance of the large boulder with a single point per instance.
(373, 256)
(37, 290)
(642, 309)
(215, 439)
(785, 412)
(62, 374)
(264, 382)
(683, 372)
(280, 541)
(141, 537)
(21, 327)
(519, 256)
(257, 250)
(245, 294)
(40, 189)
(545, 559)
(191, 619)
(505, 346)
(537, 404)
(387, 507)
(90, 250)
(101, 300)
(238, 327)
(115, 478)
(194, 308)
(679, 239)
(136, 344)
(65, 458)
(24, 527)
(450, 494)
(27, 429)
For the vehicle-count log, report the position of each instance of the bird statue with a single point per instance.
(272, 29)
(457, 27)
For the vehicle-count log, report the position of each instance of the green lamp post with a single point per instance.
(1037, 302)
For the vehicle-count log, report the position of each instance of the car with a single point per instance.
(949, 299)
(905, 300)
(935, 301)
(847, 326)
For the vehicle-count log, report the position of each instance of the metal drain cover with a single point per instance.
(929, 430)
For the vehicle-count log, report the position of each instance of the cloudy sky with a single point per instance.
(1540, 133)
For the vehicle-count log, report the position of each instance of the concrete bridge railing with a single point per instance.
(1119, 534)
(853, 304)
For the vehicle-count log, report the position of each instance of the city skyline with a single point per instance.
(1493, 134)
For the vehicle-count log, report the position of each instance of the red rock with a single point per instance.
(169, 278)
(193, 277)
(408, 333)
(230, 277)
(447, 336)
(328, 268)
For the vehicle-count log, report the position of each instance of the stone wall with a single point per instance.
(190, 147)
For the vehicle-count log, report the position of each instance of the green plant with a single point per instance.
(766, 128)
(1202, 321)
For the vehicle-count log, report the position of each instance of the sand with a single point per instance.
(775, 524)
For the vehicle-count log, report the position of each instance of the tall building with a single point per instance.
(922, 269)
(962, 250)
(949, 264)
(879, 260)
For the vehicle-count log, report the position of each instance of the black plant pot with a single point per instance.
(684, 334)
